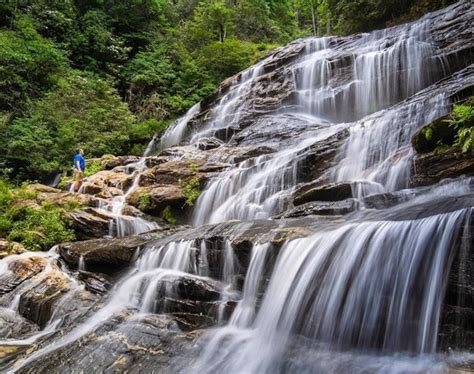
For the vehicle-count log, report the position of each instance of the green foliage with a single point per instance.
(144, 201)
(428, 133)
(29, 64)
(224, 59)
(462, 119)
(92, 167)
(168, 216)
(191, 190)
(36, 227)
(40, 229)
(83, 111)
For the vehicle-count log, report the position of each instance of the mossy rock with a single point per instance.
(433, 135)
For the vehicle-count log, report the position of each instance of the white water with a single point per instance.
(357, 296)
(362, 285)
(255, 189)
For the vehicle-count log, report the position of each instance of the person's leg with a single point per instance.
(78, 182)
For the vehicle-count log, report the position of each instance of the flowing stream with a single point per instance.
(361, 294)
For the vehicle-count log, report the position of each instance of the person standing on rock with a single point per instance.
(79, 168)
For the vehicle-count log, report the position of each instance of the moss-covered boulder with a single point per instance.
(433, 135)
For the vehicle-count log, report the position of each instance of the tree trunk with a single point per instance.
(313, 18)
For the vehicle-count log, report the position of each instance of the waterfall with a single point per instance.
(359, 293)
(176, 132)
(364, 285)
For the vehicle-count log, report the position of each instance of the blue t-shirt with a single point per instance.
(81, 160)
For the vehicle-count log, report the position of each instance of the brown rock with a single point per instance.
(112, 162)
(430, 168)
(63, 199)
(38, 187)
(8, 247)
(107, 183)
(160, 197)
(89, 223)
(21, 269)
(37, 304)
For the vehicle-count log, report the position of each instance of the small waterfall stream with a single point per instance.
(362, 293)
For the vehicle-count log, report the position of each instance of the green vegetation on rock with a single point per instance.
(462, 120)
(36, 226)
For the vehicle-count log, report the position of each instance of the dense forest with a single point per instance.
(106, 75)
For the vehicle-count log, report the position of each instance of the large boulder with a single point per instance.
(430, 136)
(109, 255)
(89, 223)
(37, 304)
(154, 199)
(107, 183)
(66, 199)
(430, 168)
(112, 162)
(172, 172)
(330, 192)
(21, 268)
(320, 208)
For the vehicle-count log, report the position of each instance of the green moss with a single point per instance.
(144, 201)
(168, 216)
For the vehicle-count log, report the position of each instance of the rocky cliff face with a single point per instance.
(288, 207)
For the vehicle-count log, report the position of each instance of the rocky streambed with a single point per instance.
(293, 221)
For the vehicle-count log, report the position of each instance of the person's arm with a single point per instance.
(78, 166)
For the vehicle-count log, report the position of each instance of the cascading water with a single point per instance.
(361, 293)
(342, 288)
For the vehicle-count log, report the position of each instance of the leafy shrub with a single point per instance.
(168, 216)
(144, 201)
(92, 167)
(40, 229)
(36, 227)
(191, 190)
(462, 119)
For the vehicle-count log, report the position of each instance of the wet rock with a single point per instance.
(110, 255)
(384, 200)
(429, 137)
(20, 270)
(147, 344)
(89, 223)
(95, 282)
(193, 288)
(456, 328)
(208, 143)
(331, 192)
(13, 326)
(430, 168)
(423, 209)
(191, 321)
(8, 248)
(318, 158)
(37, 303)
(114, 161)
(320, 208)
(244, 153)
